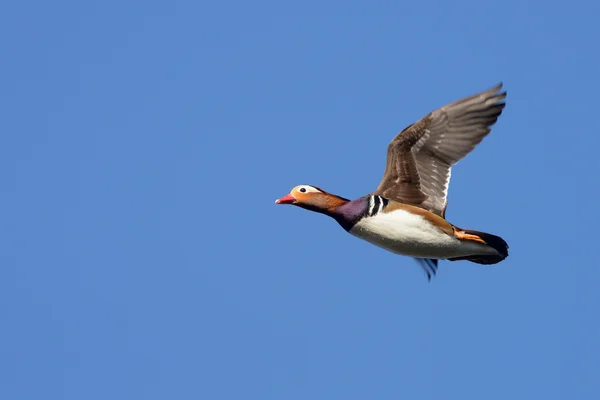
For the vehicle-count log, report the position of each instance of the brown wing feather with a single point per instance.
(420, 158)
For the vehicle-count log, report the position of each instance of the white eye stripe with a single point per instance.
(307, 189)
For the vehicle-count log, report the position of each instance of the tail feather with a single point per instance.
(495, 242)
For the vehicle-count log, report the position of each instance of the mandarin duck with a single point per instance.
(406, 213)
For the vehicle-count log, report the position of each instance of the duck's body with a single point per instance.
(411, 232)
(406, 214)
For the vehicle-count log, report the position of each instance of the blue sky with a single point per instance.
(143, 146)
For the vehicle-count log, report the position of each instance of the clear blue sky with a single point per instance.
(143, 144)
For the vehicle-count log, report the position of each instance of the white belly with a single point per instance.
(412, 235)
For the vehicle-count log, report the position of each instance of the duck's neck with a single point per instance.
(344, 211)
(325, 203)
(351, 212)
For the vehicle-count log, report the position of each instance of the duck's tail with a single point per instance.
(493, 241)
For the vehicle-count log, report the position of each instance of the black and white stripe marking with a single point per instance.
(376, 205)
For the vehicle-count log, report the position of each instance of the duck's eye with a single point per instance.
(303, 190)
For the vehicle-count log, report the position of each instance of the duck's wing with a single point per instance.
(420, 158)
(429, 265)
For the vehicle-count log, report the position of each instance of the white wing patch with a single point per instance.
(447, 183)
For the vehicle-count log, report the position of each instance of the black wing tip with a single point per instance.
(496, 87)
(496, 93)
(494, 98)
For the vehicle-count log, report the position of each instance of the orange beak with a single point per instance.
(288, 199)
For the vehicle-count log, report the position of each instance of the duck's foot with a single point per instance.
(462, 235)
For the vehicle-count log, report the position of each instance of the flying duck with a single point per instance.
(406, 213)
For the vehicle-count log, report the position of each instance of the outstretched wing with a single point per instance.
(420, 158)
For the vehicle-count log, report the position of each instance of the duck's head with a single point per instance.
(311, 198)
